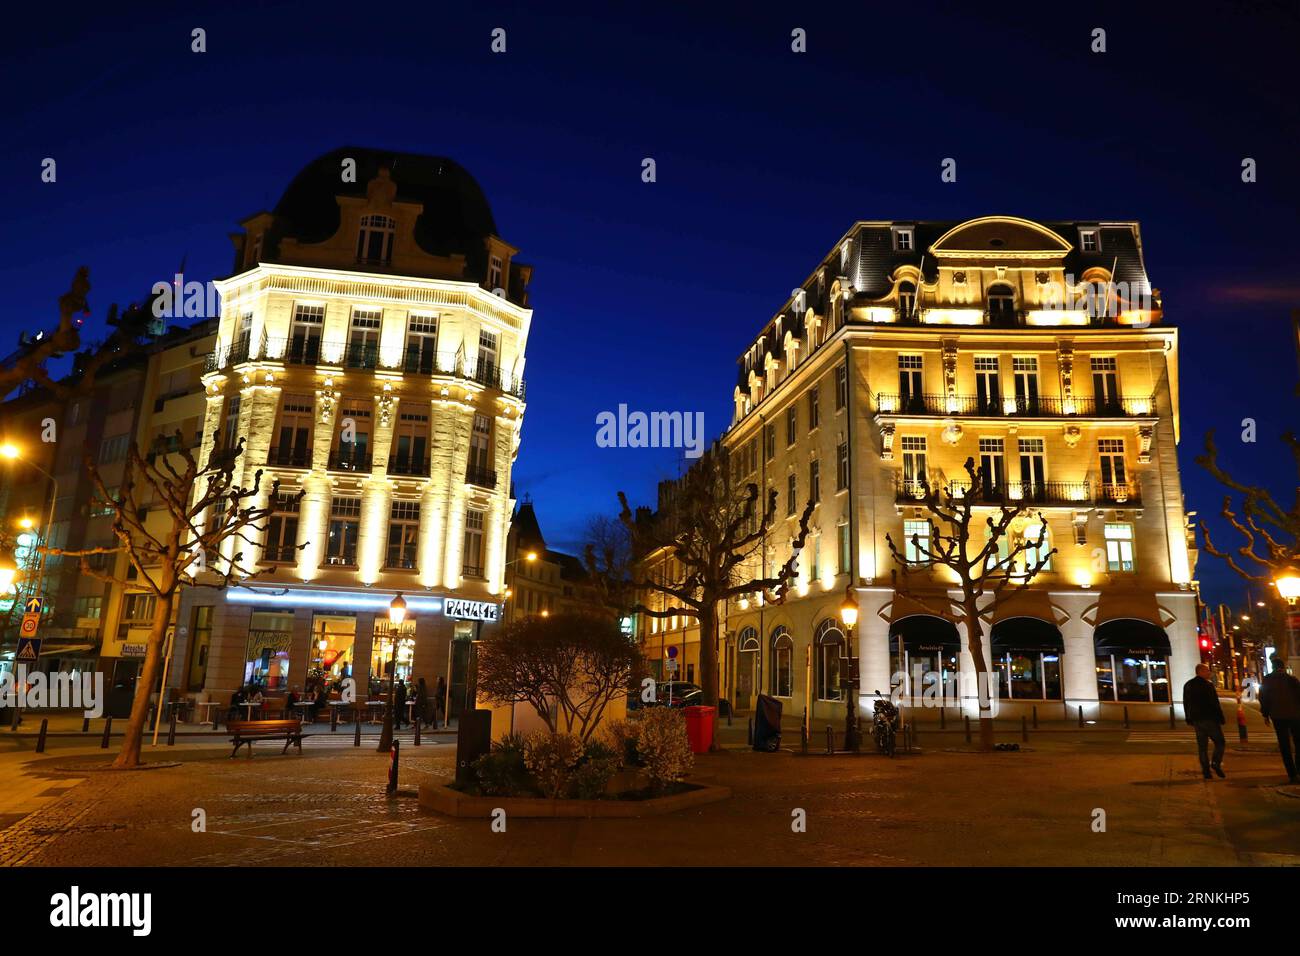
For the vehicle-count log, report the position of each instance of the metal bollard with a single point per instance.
(40, 740)
(417, 731)
(85, 725)
(967, 719)
(334, 719)
(749, 734)
(830, 739)
(356, 739)
(1024, 728)
(943, 718)
(803, 739)
(171, 731)
(108, 729)
(1081, 715)
(13, 724)
(1035, 717)
(1171, 717)
(1126, 716)
(392, 767)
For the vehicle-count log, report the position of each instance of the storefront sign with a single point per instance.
(134, 650)
(470, 610)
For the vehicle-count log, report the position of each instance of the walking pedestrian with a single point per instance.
(440, 701)
(1201, 709)
(1279, 702)
(422, 702)
(399, 704)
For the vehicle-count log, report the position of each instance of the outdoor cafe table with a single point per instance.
(250, 704)
(207, 706)
(376, 708)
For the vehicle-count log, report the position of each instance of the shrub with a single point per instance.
(591, 778)
(551, 759)
(621, 736)
(502, 772)
(662, 746)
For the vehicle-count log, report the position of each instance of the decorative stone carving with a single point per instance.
(325, 399)
(1043, 277)
(1073, 433)
(959, 278)
(1079, 521)
(384, 403)
(1065, 362)
(1145, 434)
(952, 432)
(886, 441)
(950, 370)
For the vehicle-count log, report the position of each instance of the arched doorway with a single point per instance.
(1026, 654)
(921, 645)
(1132, 661)
(782, 669)
(747, 648)
(829, 650)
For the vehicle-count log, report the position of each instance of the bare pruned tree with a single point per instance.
(210, 519)
(1270, 533)
(699, 551)
(984, 573)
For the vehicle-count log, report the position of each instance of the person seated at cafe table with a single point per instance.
(319, 702)
(236, 700)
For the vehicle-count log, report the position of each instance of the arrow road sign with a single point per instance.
(34, 605)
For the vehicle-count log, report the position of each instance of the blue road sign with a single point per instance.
(29, 650)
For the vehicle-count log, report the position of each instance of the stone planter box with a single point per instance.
(453, 803)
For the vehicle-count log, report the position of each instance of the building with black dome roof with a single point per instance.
(370, 354)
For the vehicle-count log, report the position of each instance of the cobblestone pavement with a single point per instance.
(328, 808)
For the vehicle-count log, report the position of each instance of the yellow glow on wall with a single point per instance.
(1140, 406)
(953, 317)
(1056, 317)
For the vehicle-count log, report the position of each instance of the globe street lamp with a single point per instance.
(14, 453)
(849, 615)
(1288, 585)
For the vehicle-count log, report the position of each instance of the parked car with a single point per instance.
(678, 693)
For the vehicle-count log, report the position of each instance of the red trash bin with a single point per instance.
(699, 727)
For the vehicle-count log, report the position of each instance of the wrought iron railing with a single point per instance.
(483, 477)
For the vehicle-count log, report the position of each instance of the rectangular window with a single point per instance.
(815, 570)
(345, 522)
(992, 473)
(352, 447)
(769, 441)
(1119, 546)
(841, 466)
(231, 430)
(114, 449)
(988, 390)
(421, 344)
(138, 607)
(1105, 384)
(916, 541)
(846, 551)
(791, 494)
(841, 387)
(903, 240)
(480, 453)
(495, 272)
(305, 332)
(791, 424)
(89, 607)
(914, 465)
(1025, 369)
(292, 447)
(814, 409)
(487, 355)
(1033, 468)
(1113, 476)
(1088, 240)
(282, 529)
(472, 562)
(910, 383)
(403, 534)
(815, 480)
(410, 453)
(363, 339)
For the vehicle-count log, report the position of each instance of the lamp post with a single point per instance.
(529, 556)
(849, 615)
(1287, 583)
(396, 615)
(12, 453)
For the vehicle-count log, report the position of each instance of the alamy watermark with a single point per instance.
(62, 691)
(626, 429)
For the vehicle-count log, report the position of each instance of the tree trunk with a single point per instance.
(129, 755)
(975, 639)
(709, 664)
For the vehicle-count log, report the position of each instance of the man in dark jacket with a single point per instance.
(1202, 710)
(1279, 702)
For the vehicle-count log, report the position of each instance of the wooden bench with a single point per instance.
(246, 731)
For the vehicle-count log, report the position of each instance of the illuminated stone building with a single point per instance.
(1036, 349)
(370, 354)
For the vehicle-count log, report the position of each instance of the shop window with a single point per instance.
(782, 663)
(829, 645)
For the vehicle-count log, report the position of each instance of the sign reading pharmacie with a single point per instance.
(464, 610)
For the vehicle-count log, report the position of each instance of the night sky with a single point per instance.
(645, 294)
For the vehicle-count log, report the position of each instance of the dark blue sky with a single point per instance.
(645, 294)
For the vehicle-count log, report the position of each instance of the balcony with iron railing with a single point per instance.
(280, 554)
(1067, 494)
(287, 457)
(975, 406)
(400, 558)
(348, 459)
(409, 465)
(346, 558)
(483, 477)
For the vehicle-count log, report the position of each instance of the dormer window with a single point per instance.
(1089, 241)
(903, 240)
(495, 272)
(375, 240)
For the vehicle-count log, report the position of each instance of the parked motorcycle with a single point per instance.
(884, 724)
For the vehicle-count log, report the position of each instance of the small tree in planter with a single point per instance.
(569, 667)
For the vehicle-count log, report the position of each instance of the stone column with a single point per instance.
(227, 654)
(1079, 661)
(300, 650)
(873, 648)
(361, 646)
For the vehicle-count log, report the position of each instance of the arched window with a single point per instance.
(1030, 557)
(748, 640)
(1002, 304)
(829, 646)
(782, 662)
(375, 240)
(906, 300)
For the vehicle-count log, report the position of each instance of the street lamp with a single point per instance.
(849, 615)
(396, 615)
(13, 453)
(1288, 585)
